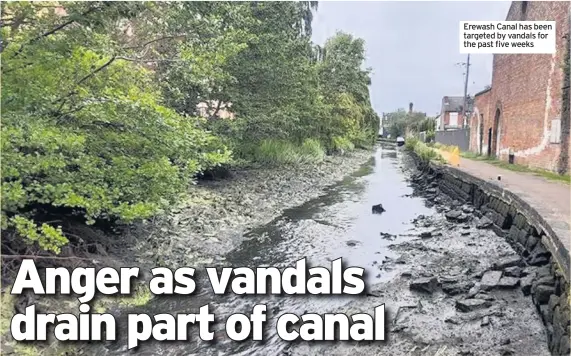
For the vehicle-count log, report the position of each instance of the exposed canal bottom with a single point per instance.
(425, 269)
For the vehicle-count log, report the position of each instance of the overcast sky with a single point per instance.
(412, 47)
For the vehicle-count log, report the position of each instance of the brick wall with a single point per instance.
(480, 115)
(527, 92)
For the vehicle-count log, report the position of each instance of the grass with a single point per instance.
(6, 311)
(565, 178)
(425, 152)
(140, 297)
(274, 152)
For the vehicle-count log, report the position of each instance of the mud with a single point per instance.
(426, 266)
(215, 215)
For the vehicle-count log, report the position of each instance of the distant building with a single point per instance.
(526, 110)
(451, 112)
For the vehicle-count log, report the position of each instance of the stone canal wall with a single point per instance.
(542, 252)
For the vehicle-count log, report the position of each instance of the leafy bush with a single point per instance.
(342, 144)
(423, 151)
(84, 132)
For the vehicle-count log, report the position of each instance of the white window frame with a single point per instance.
(455, 116)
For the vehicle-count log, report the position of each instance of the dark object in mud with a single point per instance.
(426, 234)
(424, 285)
(378, 209)
(219, 172)
(387, 236)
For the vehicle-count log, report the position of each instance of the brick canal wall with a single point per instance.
(530, 236)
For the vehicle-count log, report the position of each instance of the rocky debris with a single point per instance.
(453, 320)
(424, 285)
(465, 233)
(484, 296)
(484, 223)
(505, 262)
(539, 256)
(490, 279)
(473, 291)
(462, 218)
(467, 209)
(453, 215)
(508, 283)
(485, 321)
(468, 305)
(387, 236)
(542, 293)
(456, 288)
(378, 209)
(352, 243)
(526, 284)
(514, 271)
(429, 234)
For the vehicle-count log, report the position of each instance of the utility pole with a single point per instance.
(465, 92)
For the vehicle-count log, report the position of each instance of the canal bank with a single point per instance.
(543, 247)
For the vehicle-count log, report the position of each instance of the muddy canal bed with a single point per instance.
(449, 284)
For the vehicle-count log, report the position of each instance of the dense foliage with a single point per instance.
(404, 123)
(99, 102)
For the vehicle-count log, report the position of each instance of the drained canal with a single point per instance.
(426, 269)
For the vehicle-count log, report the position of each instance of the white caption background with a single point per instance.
(507, 37)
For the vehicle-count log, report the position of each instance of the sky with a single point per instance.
(412, 47)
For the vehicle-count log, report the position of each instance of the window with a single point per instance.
(453, 119)
(555, 131)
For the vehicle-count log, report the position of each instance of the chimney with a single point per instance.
(410, 108)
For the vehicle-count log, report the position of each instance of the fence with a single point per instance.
(459, 138)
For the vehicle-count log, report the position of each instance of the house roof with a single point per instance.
(483, 91)
(452, 103)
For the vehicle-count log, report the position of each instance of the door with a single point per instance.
(481, 129)
(490, 141)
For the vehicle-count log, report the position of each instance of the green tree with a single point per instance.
(84, 128)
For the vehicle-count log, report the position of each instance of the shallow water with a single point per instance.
(340, 224)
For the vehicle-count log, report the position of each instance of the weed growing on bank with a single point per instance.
(425, 152)
(276, 153)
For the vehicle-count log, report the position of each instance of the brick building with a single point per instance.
(451, 112)
(526, 110)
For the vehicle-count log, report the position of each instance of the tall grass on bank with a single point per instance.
(423, 151)
(276, 152)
